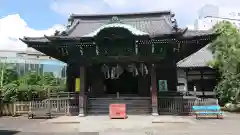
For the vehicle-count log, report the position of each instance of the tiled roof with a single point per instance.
(190, 33)
(157, 24)
(36, 39)
(198, 59)
(152, 23)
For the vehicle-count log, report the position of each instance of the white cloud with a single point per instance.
(185, 10)
(67, 7)
(13, 27)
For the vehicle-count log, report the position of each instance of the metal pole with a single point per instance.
(1, 75)
(2, 72)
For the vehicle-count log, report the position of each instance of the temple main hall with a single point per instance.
(122, 58)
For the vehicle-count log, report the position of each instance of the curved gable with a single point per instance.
(131, 29)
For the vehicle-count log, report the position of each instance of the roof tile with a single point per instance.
(151, 25)
(198, 59)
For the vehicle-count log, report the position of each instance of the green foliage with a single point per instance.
(30, 78)
(47, 79)
(29, 86)
(226, 50)
(8, 73)
(9, 92)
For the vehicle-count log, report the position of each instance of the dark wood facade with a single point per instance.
(194, 71)
(149, 40)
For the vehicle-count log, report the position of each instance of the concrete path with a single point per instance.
(64, 120)
(104, 123)
(134, 125)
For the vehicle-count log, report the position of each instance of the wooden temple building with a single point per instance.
(195, 71)
(128, 58)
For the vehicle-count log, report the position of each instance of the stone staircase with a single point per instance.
(134, 105)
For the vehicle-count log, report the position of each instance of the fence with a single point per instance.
(182, 105)
(66, 104)
(13, 109)
(62, 103)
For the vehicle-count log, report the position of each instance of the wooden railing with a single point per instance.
(62, 105)
(57, 103)
(181, 105)
(7, 109)
(13, 109)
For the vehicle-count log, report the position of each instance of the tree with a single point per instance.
(30, 86)
(30, 78)
(8, 73)
(48, 79)
(226, 51)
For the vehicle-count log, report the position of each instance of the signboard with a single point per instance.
(117, 111)
(77, 85)
(162, 85)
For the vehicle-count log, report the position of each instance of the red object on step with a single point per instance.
(117, 111)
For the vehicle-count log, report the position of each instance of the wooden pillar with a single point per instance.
(202, 84)
(82, 97)
(70, 80)
(186, 85)
(154, 90)
(71, 77)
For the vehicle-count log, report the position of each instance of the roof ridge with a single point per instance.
(167, 12)
(170, 24)
(71, 28)
(141, 19)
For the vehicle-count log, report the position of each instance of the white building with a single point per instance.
(209, 15)
(30, 60)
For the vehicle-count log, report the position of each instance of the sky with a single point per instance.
(35, 18)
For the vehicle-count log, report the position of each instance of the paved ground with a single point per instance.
(134, 125)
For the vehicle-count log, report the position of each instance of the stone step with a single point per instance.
(133, 106)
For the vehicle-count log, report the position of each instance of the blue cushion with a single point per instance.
(213, 107)
(195, 108)
(210, 108)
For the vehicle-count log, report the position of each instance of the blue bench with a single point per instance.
(211, 110)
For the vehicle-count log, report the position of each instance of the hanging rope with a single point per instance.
(105, 70)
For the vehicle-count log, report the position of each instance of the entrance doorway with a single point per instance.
(126, 83)
(119, 83)
(109, 80)
(123, 79)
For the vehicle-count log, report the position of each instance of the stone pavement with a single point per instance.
(64, 119)
(134, 125)
(103, 123)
